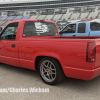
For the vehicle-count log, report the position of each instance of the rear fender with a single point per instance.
(49, 54)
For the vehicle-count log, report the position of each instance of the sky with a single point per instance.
(23, 0)
(10, 0)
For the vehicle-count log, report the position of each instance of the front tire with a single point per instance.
(50, 71)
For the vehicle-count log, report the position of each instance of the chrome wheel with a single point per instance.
(48, 71)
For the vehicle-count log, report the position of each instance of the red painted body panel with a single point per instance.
(9, 55)
(81, 73)
(71, 53)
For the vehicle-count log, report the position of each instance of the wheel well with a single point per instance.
(37, 60)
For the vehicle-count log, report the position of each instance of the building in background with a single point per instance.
(55, 10)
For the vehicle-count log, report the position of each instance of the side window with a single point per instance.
(69, 28)
(94, 26)
(81, 27)
(39, 29)
(10, 32)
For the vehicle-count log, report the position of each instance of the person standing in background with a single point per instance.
(0, 28)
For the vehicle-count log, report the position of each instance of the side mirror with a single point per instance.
(60, 32)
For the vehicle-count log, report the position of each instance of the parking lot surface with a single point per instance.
(69, 89)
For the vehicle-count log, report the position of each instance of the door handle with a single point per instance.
(74, 35)
(13, 45)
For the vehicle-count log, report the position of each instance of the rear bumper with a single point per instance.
(81, 73)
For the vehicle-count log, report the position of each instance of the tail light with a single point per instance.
(91, 52)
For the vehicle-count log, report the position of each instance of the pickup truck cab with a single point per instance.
(88, 28)
(37, 45)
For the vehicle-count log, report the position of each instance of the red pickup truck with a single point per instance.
(36, 45)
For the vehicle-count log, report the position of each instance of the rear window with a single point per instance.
(94, 26)
(39, 29)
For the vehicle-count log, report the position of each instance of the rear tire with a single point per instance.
(50, 71)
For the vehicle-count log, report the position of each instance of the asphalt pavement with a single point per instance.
(69, 89)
